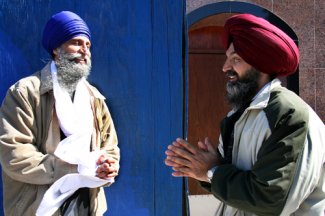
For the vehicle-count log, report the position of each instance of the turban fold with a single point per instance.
(62, 27)
(261, 44)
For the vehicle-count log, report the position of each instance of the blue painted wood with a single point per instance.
(167, 69)
(137, 65)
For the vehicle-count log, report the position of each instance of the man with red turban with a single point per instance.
(58, 144)
(271, 154)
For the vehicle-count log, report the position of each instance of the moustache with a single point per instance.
(72, 56)
(231, 73)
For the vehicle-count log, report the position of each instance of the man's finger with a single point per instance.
(189, 147)
(170, 153)
(172, 163)
(111, 175)
(180, 152)
(202, 146)
(101, 159)
(179, 160)
(209, 146)
(110, 160)
(177, 174)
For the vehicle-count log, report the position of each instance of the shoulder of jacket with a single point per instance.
(29, 83)
(285, 105)
(95, 92)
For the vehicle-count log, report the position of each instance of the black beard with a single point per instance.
(242, 91)
(70, 72)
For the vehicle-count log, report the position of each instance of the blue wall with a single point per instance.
(137, 65)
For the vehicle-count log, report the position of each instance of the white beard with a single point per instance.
(69, 72)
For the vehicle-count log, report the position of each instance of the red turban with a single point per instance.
(261, 44)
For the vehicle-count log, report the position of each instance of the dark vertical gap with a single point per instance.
(185, 201)
(152, 100)
(293, 82)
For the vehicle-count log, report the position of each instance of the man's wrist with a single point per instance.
(210, 173)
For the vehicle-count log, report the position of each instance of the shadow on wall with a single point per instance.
(10, 70)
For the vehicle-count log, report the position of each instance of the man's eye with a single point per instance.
(75, 43)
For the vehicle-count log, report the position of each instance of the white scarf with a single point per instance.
(76, 121)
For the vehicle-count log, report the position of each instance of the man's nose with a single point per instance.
(226, 66)
(84, 49)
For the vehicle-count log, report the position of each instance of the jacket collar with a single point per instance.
(46, 79)
(47, 83)
(262, 98)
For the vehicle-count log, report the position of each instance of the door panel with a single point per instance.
(206, 101)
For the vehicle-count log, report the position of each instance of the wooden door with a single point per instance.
(206, 101)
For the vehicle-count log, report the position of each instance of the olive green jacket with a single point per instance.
(29, 135)
(277, 159)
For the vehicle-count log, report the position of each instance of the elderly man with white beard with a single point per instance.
(58, 144)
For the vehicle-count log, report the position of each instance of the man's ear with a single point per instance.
(55, 53)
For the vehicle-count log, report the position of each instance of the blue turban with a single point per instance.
(62, 27)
